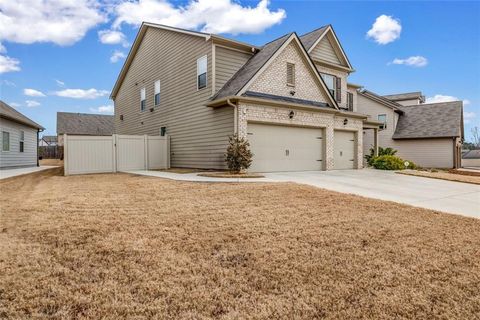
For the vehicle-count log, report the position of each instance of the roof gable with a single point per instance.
(323, 46)
(384, 101)
(272, 79)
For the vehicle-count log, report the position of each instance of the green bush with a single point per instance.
(238, 156)
(388, 162)
(381, 152)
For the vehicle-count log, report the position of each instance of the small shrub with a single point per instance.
(381, 152)
(388, 162)
(238, 156)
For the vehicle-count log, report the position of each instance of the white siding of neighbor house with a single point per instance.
(199, 134)
(15, 158)
(227, 63)
(428, 153)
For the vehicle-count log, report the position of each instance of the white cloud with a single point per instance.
(2, 48)
(63, 22)
(116, 56)
(438, 98)
(414, 61)
(466, 102)
(103, 109)
(60, 83)
(33, 93)
(8, 64)
(112, 37)
(468, 116)
(32, 103)
(14, 104)
(81, 93)
(213, 16)
(385, 29)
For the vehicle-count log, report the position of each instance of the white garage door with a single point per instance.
(282, 148)
(344, 149)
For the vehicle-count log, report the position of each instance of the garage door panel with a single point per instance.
(284, 148)
(344, 149)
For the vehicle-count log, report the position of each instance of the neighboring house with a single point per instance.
(83, 124)
(290, 98)
(471, 158)
(47, 141)
(19, 136)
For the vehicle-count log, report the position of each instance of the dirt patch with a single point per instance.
(51, 162)
(444, 175)
(121, 246)
(231, 175)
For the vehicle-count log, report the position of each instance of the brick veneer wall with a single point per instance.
(327, 121)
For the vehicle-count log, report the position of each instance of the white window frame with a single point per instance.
(157, 90)
(3, 141)
(199, 60)
(143, 99)
(21, 143)
(334, 79)
(385, 122)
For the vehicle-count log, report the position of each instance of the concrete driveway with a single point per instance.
(447, 196)
(8, 173)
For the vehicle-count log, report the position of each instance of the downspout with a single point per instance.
(235, 116)
(38, 135)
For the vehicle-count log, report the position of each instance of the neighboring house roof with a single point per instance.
(10, 113)
(436, 120)
(471, 154)
(386, 102)
(405, 96)
(49, 139)
(85, 124)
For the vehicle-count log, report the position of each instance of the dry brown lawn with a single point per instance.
(457, 176)
(129, 247)
(51, 162)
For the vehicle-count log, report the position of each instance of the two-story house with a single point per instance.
(290, 98)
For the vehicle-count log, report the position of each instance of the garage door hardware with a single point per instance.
(320, 138)
(319, 160)
(352, 140)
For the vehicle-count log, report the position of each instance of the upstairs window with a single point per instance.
(331, 82)
(383, 119)
(5, 141)
(22, 140)
(290, 74)
(157, 93)
(350, 101)
(142, 99)
(201, 72)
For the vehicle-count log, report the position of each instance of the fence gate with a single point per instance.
(97, 154)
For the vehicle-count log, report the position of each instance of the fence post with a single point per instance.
(168, 151)
(65, 155)
(145, 150)
(114, 152)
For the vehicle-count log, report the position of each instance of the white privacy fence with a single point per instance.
(97, 154)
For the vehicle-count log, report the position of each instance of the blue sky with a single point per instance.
(74, 71)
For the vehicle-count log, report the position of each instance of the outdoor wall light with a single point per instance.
(292, 92)
(163, 131)
(345, 122)
(291, 114)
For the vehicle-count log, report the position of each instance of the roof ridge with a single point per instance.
(325, 26)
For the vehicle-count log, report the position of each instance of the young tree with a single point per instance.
(476, 136)
(238, 156)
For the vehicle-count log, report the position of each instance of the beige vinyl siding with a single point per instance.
(411, 102)
(429, 153)
(227, 63)
(324, 51)
(15, 158)
(199, 134)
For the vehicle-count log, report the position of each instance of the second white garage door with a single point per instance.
(282, 148)
(344, 150)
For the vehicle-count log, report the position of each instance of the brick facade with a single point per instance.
(315, 119)
(274, 79)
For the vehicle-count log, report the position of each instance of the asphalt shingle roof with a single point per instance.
(250, 68)
(310, 38)
(471, 154)
(436, 120)
(404, 96)
(10, 113)
(85, 124)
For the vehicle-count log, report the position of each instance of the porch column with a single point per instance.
(375, 142)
